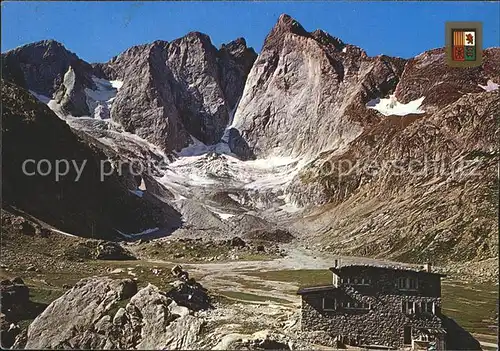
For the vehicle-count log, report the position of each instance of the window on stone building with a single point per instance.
(329, 304)
(405, 283)
(427, 307)
(355, 305)
(365, 281)
(408, 307)
(356, 280)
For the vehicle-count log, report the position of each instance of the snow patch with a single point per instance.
(223, 216)
(142, 186)
(57, 109)
(490, 86)
(40, 97)
(392, 107)
(117, 84)
(291, 207)
(133, 235)
(52, 104)
(137, 192)
(99, 100)
(198, 148)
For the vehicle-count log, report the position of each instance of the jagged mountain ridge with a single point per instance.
(306, 95)
(171, 91)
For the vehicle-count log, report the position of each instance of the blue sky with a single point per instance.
(97, 31)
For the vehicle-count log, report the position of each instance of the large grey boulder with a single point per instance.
(108, 250)
(101, 313)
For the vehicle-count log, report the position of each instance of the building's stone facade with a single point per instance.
(382, 318)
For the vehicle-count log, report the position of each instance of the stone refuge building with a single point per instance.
(377, 307)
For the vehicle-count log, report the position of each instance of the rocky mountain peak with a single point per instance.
(283, 26)
(305, 83)
(289, 24)
(238, 42)
(326, 39)
(197, 39)
(195, 35)
(428, 75)
(238, 48)
(50, 46)
(43, 65)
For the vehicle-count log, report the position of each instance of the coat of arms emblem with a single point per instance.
(463, 44)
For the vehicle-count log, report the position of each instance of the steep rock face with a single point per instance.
(179, 89)
(145, 104)
(420, 187)
(428, 75)
(171, 91)
(85, 205)
(235, 60)
(101, 313)
(305, 90)
(198, 94)
(71, 93)
(49, 69)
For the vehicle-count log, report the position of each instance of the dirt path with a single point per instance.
(237, 276)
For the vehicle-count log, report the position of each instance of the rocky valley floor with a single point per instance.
(252, 283)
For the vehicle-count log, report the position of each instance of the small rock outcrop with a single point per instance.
(261, 340)
(188, 292)
(272, 235)
(108, 250)
(102, 313)
(15, 306)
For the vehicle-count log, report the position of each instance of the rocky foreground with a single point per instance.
(113, 314)
(106, 313)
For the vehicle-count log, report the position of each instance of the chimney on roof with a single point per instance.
(337, 262)
(428, 267)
